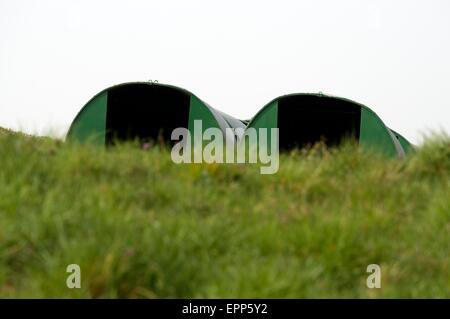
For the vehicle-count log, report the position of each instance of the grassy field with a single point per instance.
(141, 226)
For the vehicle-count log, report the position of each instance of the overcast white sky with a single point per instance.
(393, 56)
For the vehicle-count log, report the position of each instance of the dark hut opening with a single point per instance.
(304, 120)
(145, 112)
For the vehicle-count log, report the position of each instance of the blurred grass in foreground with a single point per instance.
(141, 226)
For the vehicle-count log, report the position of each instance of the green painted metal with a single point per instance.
(90, 122)
(406, 145)
(199, 111)
(374, 134)
(267, 117)
(89, 125)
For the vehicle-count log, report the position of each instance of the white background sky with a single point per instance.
(393, 56)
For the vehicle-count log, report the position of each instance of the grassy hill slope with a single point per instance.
(141, 226)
